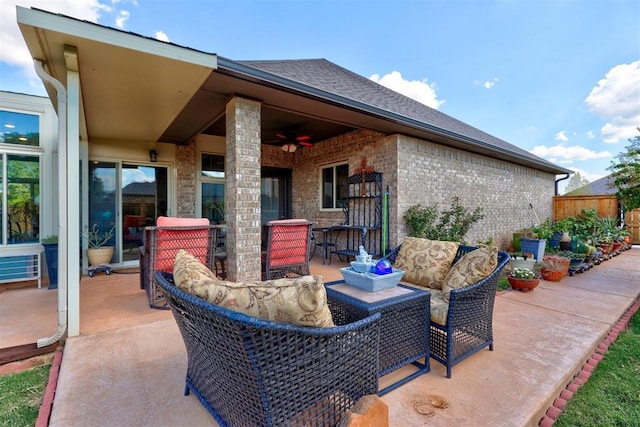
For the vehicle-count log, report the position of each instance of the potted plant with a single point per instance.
(532, 243)
(99, 252)
(554, 267)
(523, 279)
(50, 244)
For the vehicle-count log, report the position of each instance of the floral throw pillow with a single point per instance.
(471, 268)
(299, 301)
(425, 262)
(187, 266)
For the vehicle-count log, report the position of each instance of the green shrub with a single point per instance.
(452, 224)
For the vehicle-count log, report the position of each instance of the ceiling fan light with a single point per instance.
(289, 148)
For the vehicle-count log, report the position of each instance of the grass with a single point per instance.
(503, 283)
(611, 396)
(21, 396)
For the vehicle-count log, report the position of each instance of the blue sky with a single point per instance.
(559, 78)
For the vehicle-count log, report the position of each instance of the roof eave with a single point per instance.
(260, 76)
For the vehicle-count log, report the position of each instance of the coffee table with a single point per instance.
(404, 329)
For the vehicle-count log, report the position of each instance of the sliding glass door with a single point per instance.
(128, 197)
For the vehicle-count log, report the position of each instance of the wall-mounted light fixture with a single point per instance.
(153, 155)
(289, 147)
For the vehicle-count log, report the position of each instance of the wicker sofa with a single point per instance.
(463, 287)
(248, 371)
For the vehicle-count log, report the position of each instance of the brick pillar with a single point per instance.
(242, 189)
(186, 181)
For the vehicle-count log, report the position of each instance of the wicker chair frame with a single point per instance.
(160, 246)
(252, 372)
(469, 326)
(288, 248)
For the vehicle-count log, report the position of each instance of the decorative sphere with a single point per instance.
(383, 267)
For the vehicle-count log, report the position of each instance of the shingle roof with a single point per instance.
(327, 76)
(600, 187)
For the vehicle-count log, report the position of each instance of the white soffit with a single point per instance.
(132, 87)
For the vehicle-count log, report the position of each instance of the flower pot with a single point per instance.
(101, 255)
(51, 256)
(533, 246)
(524, 285)
(522, 263)
(554, 242)
(552, 275)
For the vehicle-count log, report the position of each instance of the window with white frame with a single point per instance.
(19, 177)
(212, 187)
(332, 190)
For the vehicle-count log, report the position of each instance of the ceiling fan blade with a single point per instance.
(303, 138)
(305, 144)
(281, 135)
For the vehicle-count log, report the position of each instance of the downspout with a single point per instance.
(62, 140)
(566, 176)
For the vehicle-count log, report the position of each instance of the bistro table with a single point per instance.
(404, 329)
(326, 244)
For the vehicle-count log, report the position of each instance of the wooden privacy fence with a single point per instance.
(566, 206)
(632, 223)
(606, 205)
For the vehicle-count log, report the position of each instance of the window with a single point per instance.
(333, 178)
(212, 187)
(19, 128)
(22, 209)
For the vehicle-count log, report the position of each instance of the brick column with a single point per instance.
(242, 189)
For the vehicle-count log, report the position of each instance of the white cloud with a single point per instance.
(488, 84)
(10, 35)
(561, 136)
(420, 91)
(590, 134)
(586, 174)
(567, 154)
(616, 98)
(162, 36)
(122, 18)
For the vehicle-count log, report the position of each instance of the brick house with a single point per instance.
(208, 129)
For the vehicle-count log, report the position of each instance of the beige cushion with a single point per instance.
(186, 267)
(471, 268)
(439, 307)
(425, 262)
(300, 301)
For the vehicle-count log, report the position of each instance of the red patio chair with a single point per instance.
(162, 242)
(287, 248)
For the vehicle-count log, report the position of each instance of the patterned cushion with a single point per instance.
(439, 307)
(186, 267)
(425, 262)
(300, 301)
(471, 268)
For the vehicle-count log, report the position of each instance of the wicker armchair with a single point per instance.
(161, 244)
(288, 248)
(469, 325)
(252, 372)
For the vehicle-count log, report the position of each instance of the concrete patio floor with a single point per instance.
(127, 367)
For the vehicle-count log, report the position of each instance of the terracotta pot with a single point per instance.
(524, 285)
(552, 275)
(101, 255)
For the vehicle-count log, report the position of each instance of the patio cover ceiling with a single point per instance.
(135, 88)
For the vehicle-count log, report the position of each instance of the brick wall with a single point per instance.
(186, 181)
(422, 172)
(431, 173)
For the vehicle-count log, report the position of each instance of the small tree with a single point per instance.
(626, 174)
(576, 182)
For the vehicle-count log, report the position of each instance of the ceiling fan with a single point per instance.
(291, 141)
